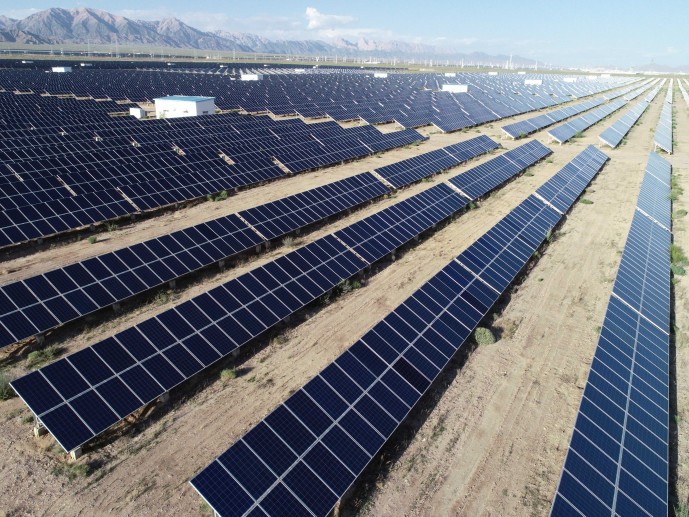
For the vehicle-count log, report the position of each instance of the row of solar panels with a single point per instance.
(615, 133)
(668, 95)
(82, 395)
(185, 181)
(663, 135)
(304, 456)
(43, 302)
(617, 461)
(683, 91)
(526, 127)
(569, 129)
(342, 96)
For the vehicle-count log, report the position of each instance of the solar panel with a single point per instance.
(413, 169)
(617, 461)
(483, 178)
(306, 454)
(663, 134)
(568, 130)
(280, 217)
(561, 191)
(613, 135)
(526, 127)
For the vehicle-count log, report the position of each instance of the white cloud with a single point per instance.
(19, 14)
(318, 20)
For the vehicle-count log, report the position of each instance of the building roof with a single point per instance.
(184, 98)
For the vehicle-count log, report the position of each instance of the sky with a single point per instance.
(583, 33)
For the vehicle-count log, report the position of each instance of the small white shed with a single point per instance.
(62, 69)
(456, 88)
(252, 77)
(137, 112)
(184, 106)
(382, 75)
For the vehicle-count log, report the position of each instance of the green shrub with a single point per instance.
(578, 134)
(528, 174)
(585, 201)
(680, 213)
(93, 239)
(38, 358)
(222, 196)
(111, 227)
(677, 256)
(228, 374)
(483, 336)
(288, 242)
(6, 391)
(677, 270)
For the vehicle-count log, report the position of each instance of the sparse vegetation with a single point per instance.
(677, 256)
(549, 159)
(38, 358)
(111, 227)
(679, 214)
(222, 196)
(528, 174)
(73, 471)
(6, 391)
(483, 336)
(92, 239)
(228, 374)
(288, 242)
(578, 134)
(585, 201)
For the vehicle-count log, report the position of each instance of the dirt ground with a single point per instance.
(492, 438)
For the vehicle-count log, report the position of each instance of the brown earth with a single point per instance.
(492, 439)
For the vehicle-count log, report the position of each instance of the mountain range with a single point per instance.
(84, 25)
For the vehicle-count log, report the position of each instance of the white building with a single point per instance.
(62, 69)
(137, 112)
(456, 88)
(382, 75)
(252, 77)
(183, 106)
(450, 74)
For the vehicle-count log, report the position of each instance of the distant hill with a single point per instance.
(85, 25)
(661, 69)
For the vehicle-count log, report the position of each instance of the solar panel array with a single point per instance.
(569, 129)
(52, 188)
(615, 133)
(302, 458)
(663, 135)
(485, 177)
(668, 95)
(617, 462)
(81, 395)
(684, 92)
(526, 127)
(40, 303)
(408, 171)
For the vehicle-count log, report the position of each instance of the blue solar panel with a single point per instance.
(566, 131)
(413, 169)
(483, 178)
(617, 462)
(328, 431)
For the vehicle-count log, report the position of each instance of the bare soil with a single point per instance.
(491, 438)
